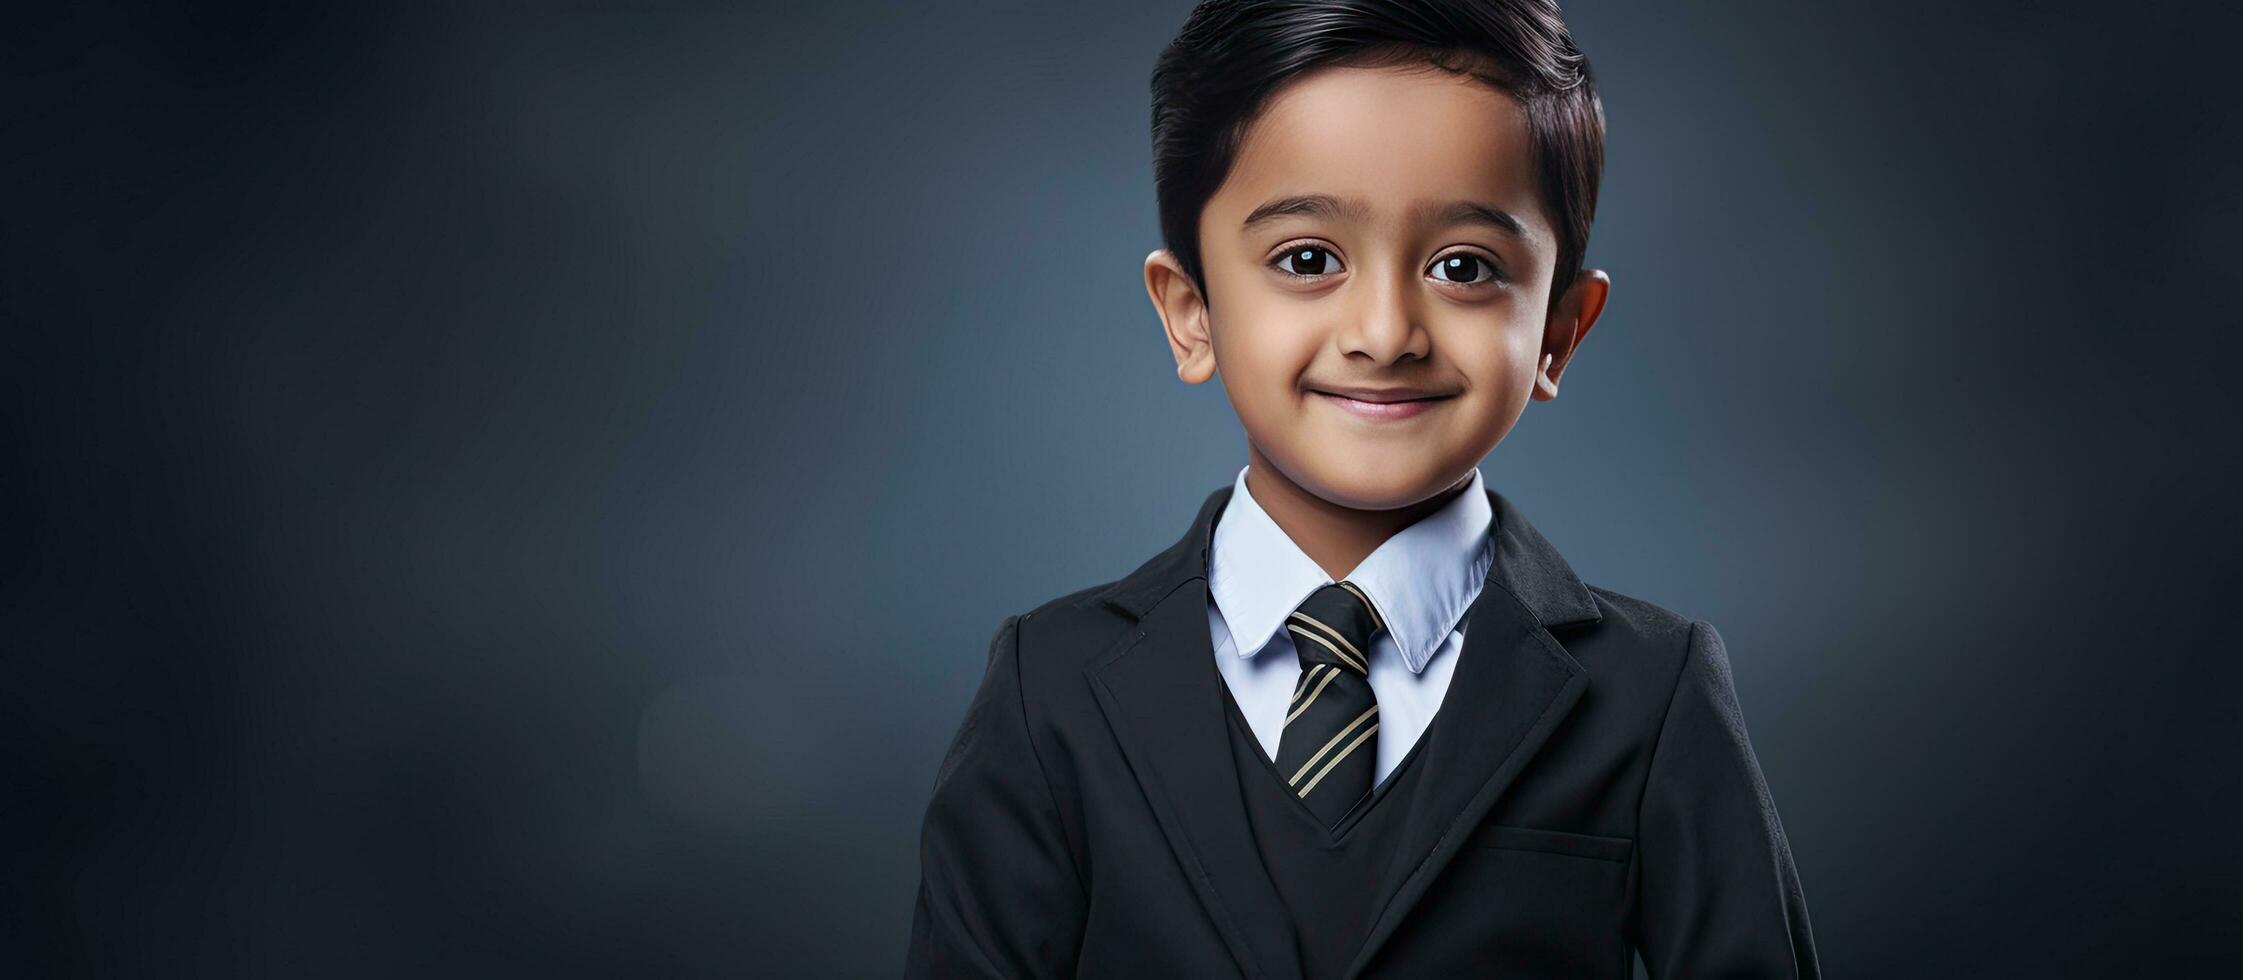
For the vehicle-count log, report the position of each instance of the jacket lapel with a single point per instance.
(1513, 686)
(1162, 696)
(1161, 693)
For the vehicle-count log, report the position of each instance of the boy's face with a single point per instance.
(1360, 242)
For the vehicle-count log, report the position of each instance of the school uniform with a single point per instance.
(1460, 760)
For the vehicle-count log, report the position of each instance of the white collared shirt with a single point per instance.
(1422, 580)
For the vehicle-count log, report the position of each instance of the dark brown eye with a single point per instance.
(1463, 268)
(1309, 260)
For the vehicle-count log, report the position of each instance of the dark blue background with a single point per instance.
(500, 489)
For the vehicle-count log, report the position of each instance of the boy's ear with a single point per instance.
(1183, 314)
(1570, 321)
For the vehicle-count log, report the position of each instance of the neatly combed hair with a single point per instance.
(1231, 55)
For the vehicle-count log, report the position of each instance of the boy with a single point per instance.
(1362, 719)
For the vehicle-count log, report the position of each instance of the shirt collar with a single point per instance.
(1422, 579)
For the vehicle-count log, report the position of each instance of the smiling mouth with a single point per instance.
(1385, 411)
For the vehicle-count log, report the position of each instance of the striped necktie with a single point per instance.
(1329, 747)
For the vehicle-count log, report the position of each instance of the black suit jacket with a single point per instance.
(1588, 788)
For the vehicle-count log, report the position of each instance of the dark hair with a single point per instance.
(1213, 79)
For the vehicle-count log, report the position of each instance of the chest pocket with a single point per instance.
(1508, 837)
(1525, 901)
(1551, 842)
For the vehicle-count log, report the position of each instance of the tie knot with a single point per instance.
(1334, 625)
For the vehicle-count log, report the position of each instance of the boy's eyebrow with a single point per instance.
(1444, 213)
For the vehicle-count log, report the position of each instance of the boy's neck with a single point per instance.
(1336, 538)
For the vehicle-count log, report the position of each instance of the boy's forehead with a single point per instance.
(1388, 137)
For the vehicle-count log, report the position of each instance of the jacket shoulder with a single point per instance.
(1051, 644)
(1642, 624)
(1069, 629)
(1089, 598)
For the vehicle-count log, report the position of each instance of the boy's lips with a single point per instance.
(1385, 393)
(1390, 405)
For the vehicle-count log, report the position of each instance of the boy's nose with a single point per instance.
(1386, 321)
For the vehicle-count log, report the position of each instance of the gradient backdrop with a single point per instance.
(507, 490)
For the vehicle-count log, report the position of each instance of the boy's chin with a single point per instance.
(1356, 483)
